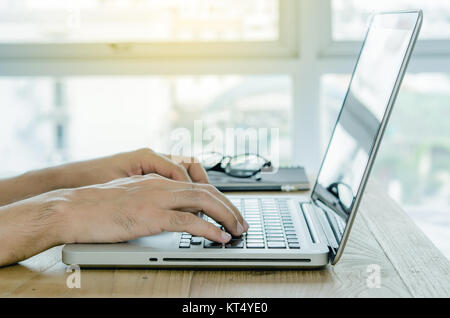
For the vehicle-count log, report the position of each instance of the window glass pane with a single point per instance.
(47, 121)
(138, 20)
(349, 17)
(414, 158)
(25, 124)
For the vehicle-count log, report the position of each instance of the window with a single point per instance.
(50, 21)
(349, 17)
(414, 158)
(147, 28)
(346, 25)
(53, 120)
(82, 78)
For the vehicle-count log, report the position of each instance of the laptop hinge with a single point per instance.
(325, 231)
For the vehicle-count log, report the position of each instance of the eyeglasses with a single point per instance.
(240, 166)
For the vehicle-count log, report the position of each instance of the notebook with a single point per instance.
(285, 179)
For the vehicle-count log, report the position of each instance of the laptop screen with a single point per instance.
(373, 85)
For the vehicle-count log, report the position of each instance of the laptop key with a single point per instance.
(256, 241)
(211, 244)
(235, 244)
(185, 245)
(276, 245)
(275, 239)
(255, 245)
(254, 238)
(274, 235)
(255, 233)
(196, 241)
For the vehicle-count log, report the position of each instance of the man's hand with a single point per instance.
(121, 210)
(89, 172)
(111, 199)
(128, 208)
(139, 162)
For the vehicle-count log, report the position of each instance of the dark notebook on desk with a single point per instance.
(285, 179)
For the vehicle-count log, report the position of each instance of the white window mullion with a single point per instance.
(306, 115)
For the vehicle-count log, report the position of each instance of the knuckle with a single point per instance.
(181, 167)
(210, 188)
(153, 179)
(144, 151)
(137, 177)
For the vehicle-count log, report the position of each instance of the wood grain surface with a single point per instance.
(411, 266)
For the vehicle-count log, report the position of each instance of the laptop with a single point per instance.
(294, 231)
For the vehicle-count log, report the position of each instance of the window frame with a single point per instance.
(305, 53)
(285, 46)
(332, 48)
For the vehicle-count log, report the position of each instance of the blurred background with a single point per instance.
(86, 78)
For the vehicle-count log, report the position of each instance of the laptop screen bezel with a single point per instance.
(336, 253)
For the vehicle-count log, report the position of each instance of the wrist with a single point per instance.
(31, 226)
(53, 210)
(47, 214)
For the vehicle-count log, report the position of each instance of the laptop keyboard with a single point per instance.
(271, 226)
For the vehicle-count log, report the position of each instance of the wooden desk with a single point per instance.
(411, 266)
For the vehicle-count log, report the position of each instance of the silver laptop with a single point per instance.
(296, 231)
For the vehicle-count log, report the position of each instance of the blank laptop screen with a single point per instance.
(362, 113)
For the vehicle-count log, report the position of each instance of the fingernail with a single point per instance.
(226, 236)
(239, 229)
(246, 226)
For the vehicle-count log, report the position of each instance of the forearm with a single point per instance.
(28, 185)
(30, 226)
(65, 176)
(97, 171)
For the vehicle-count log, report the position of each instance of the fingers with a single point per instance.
(193, 166)
(196, 172)
(152, 162)
(204, 201)
(224, 212)
(219, 195)
(213, 190)
(166, 184)
(175, 221)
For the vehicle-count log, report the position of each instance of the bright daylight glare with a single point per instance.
(59, 119)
